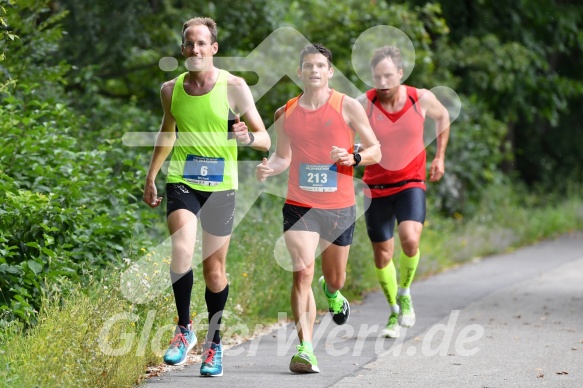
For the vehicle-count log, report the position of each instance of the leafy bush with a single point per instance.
(473, 156)
(72, 190)
(68, 210)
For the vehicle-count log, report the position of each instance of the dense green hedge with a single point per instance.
(68, 208)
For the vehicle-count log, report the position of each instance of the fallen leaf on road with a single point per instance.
(540, 375)
(563, 373)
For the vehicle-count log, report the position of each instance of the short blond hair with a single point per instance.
(201, 21)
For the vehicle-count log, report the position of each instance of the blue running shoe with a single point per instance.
(183, 341)
(212, 360)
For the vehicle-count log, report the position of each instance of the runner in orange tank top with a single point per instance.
(315, 137)
(396, 185)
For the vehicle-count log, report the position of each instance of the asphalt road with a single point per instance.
(508, 320)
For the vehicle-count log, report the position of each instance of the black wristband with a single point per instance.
(357, 159)
(252, 137)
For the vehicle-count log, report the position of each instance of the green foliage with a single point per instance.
(29, 59)
(6, 33)
(68, 210)
(257, 263)
(474, 153)
(337, 25)
(519, 60)
(507, 217)
(67, 347)
(72, 190)
(112, 51)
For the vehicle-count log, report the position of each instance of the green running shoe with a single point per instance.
(407, 314)
(393, 329)
(304, 361)
(337, 305)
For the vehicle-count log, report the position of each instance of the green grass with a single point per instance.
(71, 345)
(70, 348)
(508, 219)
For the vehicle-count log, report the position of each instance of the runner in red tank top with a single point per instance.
(397, 183)
(315, 137)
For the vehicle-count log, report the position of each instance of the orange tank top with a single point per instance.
(313, 180)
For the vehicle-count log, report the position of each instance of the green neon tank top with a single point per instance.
(204, 156)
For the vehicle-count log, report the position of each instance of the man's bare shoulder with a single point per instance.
(233, 80)
(168, 87)
(279, 112)
(426, 98)
(352, 103)
(422, 92)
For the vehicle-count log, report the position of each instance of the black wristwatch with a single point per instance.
(252, 137)
(357, 159)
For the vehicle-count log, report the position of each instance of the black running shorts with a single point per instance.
(216, 210)
(407, 205)
(333, 225)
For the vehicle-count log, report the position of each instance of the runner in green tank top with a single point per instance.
(204, 155)
(201, 128)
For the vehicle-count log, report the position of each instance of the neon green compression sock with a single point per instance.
(408, 267)
(388, 279)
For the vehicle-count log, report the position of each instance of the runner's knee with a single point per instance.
(304, 277)
(410, 246)
(383, 254)
(214, 279)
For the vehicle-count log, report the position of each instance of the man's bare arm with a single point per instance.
(281, 158)
(164, 143)
(355, 116)
(241, 99)
(436, 111)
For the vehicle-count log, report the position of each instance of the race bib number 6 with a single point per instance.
(318, 177)
(204, 170)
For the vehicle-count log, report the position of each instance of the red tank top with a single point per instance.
(313, 180)
(401, 137)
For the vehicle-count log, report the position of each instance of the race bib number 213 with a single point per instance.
(318, 177)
